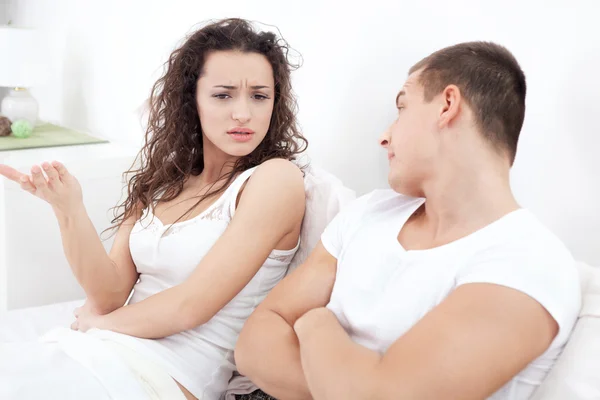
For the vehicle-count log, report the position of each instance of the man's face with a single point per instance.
(411, 141)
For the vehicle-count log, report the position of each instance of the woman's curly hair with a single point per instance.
(173, 144)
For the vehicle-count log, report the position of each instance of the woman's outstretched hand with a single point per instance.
(52, 183)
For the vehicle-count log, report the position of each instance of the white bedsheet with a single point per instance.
(30, 369)
(41, 357)
(65, 365)
(29, 324)
(33, 370)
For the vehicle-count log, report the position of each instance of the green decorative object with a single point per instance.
(49, 135)
(21, 129)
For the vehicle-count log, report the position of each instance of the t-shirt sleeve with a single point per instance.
(550, 277)
(343, 225)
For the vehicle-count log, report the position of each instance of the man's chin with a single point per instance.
(400, 186)
(394, 182)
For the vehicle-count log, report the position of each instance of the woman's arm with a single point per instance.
(270, 208)
(106, 280)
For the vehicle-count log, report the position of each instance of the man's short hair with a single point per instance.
(490, 80)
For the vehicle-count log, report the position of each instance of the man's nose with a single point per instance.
(384, 139)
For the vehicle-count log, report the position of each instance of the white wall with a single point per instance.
(3, 12)
(3, 20)
(356, 57)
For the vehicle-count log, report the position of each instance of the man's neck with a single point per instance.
(460, 203)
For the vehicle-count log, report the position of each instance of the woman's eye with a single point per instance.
(260, 97)
(222, 96)
(400, 108)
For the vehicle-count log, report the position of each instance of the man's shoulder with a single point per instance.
(521, 253)
(523, 240)
(524, 231)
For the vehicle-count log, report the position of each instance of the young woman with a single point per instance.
(210, 224)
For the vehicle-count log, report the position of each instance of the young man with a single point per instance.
(441, 288)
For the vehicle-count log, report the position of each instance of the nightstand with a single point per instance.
(33, 268)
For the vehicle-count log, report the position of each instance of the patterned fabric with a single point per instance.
(258, 395)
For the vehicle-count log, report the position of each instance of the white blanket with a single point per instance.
(35, 370)
(29, 324)
(66, 364)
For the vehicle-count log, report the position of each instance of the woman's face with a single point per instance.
(235, 97)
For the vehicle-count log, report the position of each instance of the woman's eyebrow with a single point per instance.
(255, 87)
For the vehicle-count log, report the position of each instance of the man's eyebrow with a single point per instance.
(402, 93)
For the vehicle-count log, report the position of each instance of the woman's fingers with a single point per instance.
(22, 179)
(62, 171)
(51, 173)
(42, 179)
(26, 183)
(38, 178)
(10, 173)
(75, 325)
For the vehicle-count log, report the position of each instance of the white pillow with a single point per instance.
(576, 374)
(326, 195)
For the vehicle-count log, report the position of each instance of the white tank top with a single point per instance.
(200, 359)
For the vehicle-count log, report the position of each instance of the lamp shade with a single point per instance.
(19, 57)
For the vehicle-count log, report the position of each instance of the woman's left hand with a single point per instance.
(85, 319)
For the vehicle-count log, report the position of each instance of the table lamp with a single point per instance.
(19, 57)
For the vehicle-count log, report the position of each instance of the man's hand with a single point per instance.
(312, 320)
(267, 351)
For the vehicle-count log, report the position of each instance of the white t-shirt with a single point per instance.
(382, 290)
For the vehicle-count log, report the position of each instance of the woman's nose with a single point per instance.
(242, 113)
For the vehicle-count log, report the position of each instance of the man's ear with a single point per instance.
(451, 105)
